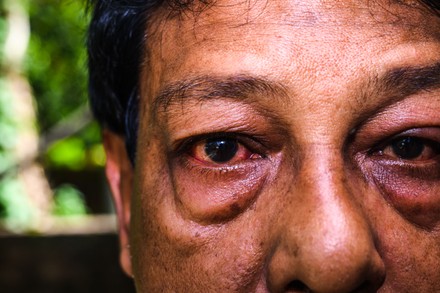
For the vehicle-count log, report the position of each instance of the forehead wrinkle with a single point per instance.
(221, 23)
(176, 58)
(202, 88)
(237, 13)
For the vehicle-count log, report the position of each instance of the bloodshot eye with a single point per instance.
(221, 150)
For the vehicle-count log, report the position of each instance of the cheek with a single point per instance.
(411, 254)
(171, 249)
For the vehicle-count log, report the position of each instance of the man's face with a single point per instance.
(288, 146)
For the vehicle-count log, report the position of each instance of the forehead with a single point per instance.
(230, 37)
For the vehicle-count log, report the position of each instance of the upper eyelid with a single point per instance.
(184, 144)
(377, 141)
(410, 107)
(240, 136)
(201, 137)
(247, 141)
(410, 133)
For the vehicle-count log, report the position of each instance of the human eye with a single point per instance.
(218, 175)
(411, 149)
(406, 170)
(221, 155)
(222, 150)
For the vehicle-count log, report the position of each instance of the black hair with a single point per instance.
(116, 49)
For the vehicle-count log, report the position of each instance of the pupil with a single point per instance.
(221, 150)
(408, 147)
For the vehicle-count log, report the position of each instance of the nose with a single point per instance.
(324, 241)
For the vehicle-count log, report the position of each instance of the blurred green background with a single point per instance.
(57, 226)
(51, 158)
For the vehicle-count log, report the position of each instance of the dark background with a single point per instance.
(65, 264)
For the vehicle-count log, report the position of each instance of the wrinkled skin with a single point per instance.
(315, 196)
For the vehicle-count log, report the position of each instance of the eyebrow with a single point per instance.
(400, 82)
(238, 87)
(407, 81)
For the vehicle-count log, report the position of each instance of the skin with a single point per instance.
(316, 199)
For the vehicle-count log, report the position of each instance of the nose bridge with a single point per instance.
(332, 243)
(336, 217)
(336, 225)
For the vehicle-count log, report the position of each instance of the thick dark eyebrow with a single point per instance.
(239, 87)
(407, 81)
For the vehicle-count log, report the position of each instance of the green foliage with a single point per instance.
(8, 129)
(56, 63)
(78, 152)
(68, 153)
(55, 66)
(16, 210)
(69, 202)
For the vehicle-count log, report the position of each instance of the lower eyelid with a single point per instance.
(213, 168)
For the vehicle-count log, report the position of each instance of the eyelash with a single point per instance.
(388, 143)
(184, 146)
(413, 166)
(426, 169)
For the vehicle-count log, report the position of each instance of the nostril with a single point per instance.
(362, 287)
(297, 286)
(365, 287)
